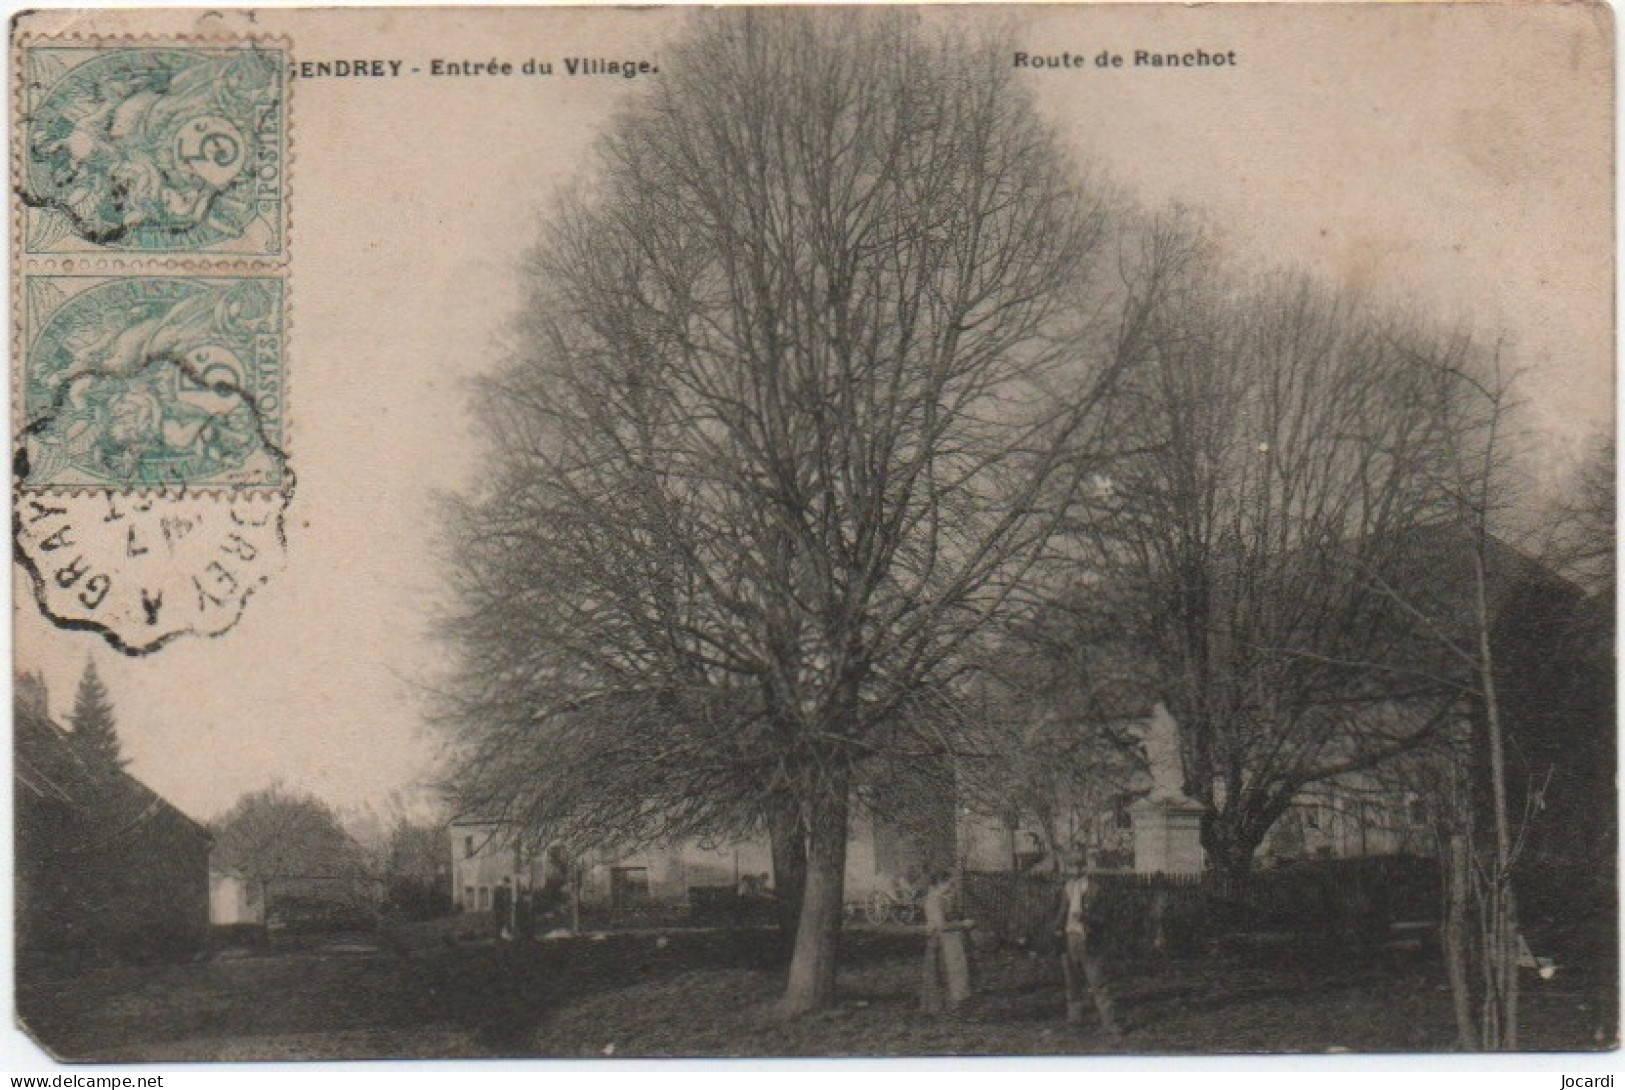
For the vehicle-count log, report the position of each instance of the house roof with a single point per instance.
(1439, 555)
(49, 765)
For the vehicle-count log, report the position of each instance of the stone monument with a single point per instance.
(1167, 823)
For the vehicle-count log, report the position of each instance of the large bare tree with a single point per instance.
(1290, 445)
(782, 435)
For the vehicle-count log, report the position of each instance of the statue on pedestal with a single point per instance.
(1159, 737)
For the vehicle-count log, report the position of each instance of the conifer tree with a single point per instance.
(95, 727)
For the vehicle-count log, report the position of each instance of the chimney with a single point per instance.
(30, 694)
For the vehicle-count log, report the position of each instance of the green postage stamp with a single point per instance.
(160, 150)
(150, 232)
(152, 382)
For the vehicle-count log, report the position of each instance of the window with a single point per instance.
(628, 886)
(485, 898)
(1122, 815)
(468, 847)
(468, 899)
(1416, 810)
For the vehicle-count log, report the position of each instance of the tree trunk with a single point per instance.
(1501, 998)
(1230, 848)
(1509, 910)
(1457, 878)
(788, 837)
(812, 965)
(1502, 904)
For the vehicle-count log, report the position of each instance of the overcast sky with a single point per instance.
(1456, 157)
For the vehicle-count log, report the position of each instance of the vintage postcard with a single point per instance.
(812, 531)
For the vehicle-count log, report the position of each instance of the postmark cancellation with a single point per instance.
(151, 480)
(150, 326)
(151, 382)
(143, 570)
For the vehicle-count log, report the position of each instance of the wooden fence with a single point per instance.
(1333, 900)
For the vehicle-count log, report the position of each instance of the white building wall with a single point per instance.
(482, 855)
(984, 844)
(234, 900)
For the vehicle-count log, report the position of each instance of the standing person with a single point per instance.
(502, 909)
(550, 901)
(524, 912)
(946, 964)
(1160, 903)
(1081, 956)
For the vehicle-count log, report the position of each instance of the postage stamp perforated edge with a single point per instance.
(273, 148)
(187, 383)
(125, 263)
(21, 343)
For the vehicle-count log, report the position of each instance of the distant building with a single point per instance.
(104, 865)
(486, 852)
(880, 854)
(234, 899)
(1349, 818)
(483, 853)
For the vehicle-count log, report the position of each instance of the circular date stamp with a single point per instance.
(149, 470)
(144, 570)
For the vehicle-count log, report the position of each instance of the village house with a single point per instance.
(881, 856)
(105, 867)
(292, 900)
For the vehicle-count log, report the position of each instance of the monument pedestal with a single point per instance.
(1167, 837)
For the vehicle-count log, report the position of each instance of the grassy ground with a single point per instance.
(712, 994)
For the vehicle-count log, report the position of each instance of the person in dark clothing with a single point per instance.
(1082, 963)
(524, 913)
